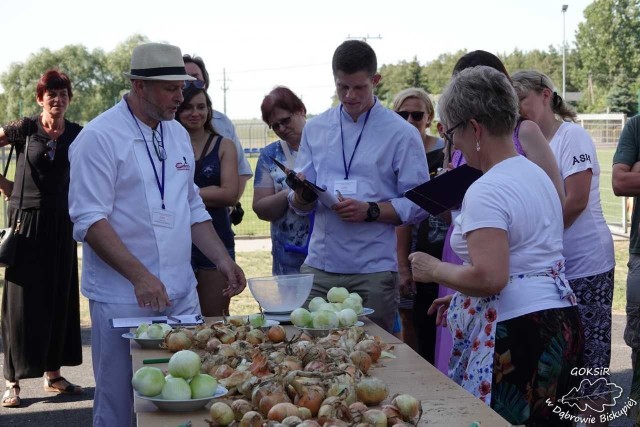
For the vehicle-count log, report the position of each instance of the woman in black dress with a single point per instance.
(40, 302)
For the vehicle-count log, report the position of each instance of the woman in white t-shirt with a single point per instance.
(513, 314)
(588, 245)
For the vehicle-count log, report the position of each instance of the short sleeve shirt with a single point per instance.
(628, 152)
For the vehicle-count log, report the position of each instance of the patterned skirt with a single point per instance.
(533, 358)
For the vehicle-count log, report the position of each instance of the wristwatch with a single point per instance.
(373, 212)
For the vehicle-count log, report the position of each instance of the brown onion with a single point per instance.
(240, 407)
(281, 411)
(268, 402)
(176, 341)
(357, 409)
(223, 371)
(392, 413)
(407, 405)
(212, 344)
(276, 334)
(251, 419)
(370, 347)
(361, 359)
(221, 414)
(375, 417)
(292, 421)
(256, 336)
(371, 391)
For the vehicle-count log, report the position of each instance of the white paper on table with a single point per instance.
(134, 322)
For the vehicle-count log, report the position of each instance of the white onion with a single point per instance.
(301, 317)
(148, 381)
(337, 294)
(184, 364)
(155, 331)
(315, 303)
(176, 389)
(203, 385)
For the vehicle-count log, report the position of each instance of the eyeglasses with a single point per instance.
(158, 145)
(50, 154)
(415, 115)
(284, 122)
(448, 135)
(198, 84)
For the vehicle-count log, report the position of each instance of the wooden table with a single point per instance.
(444, 402)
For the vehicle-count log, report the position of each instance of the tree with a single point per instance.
(96, 79)
(608, 43)
(621, 98)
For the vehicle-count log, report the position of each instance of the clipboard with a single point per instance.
(134, 322)
(445, 191)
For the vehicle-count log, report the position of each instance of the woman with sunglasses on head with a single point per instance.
(216, 173)
(588, 245)
(40, 303)
(517, 331)
(419, 329)
(285, 114)
(528, 141)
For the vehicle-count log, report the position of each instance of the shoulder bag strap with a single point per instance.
(24, 170)
(6, 165)
(203, 155)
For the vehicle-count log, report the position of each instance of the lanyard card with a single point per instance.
(163, 218)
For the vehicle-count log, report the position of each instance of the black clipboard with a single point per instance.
(445, 191)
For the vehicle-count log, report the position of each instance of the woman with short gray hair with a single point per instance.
(513, 310)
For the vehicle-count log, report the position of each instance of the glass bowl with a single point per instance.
(281, 294)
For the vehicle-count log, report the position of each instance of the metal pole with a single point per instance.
(564, 49)
(224, 88)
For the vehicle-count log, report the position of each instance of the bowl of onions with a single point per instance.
(323, 332)
(281, 294)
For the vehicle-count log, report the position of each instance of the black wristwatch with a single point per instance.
(373, 212)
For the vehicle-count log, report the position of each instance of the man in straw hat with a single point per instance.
(136, 209)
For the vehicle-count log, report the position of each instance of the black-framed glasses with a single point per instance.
(158, 145)
(198, 84)
(448, 134)
(284, 122)
(415, 115)
(50, 154)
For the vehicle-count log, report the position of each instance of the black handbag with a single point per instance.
(9, 235)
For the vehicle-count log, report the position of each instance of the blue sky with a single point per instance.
(262, 44)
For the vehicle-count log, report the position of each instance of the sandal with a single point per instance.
(11, 398)
(70, 389)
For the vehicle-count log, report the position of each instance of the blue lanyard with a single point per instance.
(344, 158)
(153, 165)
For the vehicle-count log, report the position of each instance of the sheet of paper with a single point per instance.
(134, 322)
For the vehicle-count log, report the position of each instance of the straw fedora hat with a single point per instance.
(157, 61)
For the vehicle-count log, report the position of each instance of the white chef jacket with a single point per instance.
(112, 178)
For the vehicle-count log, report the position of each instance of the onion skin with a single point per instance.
(392, 413)
(281, 411)
(371, 391)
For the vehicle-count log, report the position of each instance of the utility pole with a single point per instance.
(363, 38)
(224, 89)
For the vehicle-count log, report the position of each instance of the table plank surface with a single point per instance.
(444, 402)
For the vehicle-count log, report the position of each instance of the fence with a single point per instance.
(605, 130)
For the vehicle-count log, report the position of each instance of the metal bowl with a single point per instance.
(183, 405)
(281, 294)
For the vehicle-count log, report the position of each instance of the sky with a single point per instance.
(262, 44)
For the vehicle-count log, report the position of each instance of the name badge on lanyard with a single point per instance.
(346, 186)
(163, 218)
